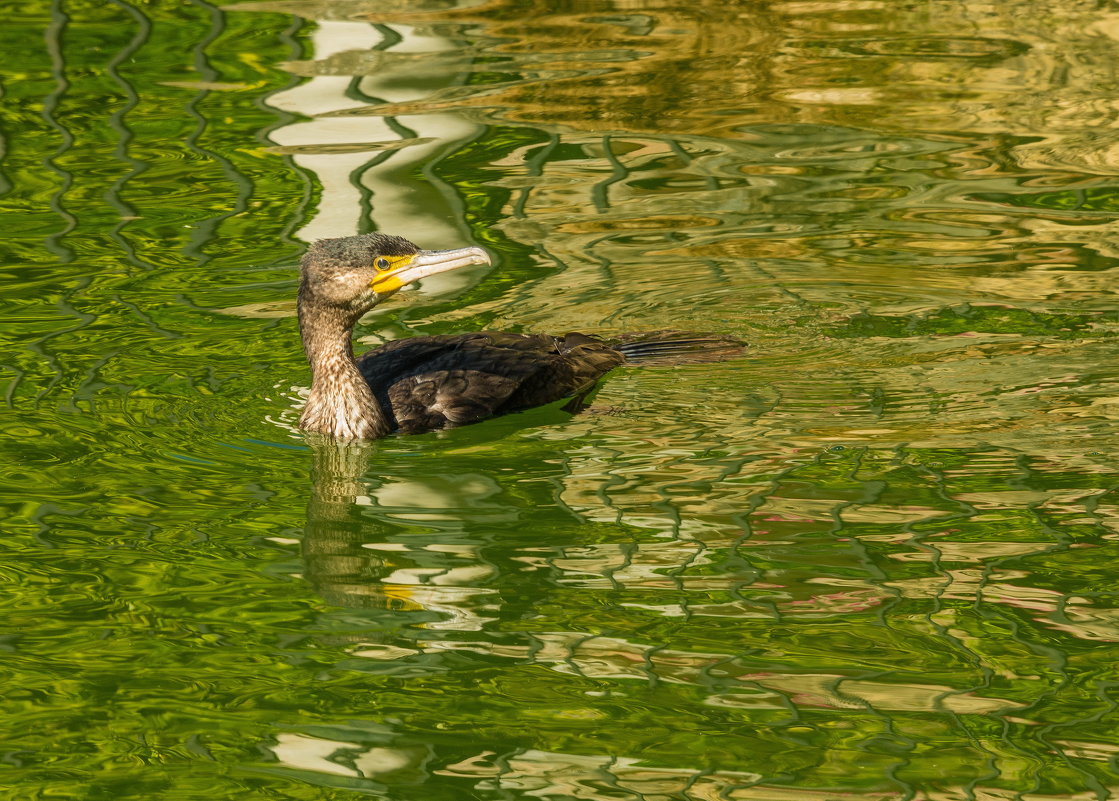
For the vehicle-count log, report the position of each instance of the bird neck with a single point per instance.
(341, 403)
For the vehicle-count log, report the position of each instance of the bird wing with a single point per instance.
(428, 383)
(463, 386)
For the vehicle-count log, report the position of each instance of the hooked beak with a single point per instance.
(427, 263)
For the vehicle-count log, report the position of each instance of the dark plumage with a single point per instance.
(429, 383)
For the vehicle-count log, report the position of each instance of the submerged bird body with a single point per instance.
(434, 382)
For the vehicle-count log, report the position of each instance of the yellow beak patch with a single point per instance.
(394, 272)
(388, 273)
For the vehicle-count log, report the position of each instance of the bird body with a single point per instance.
(434, 382)
(428, 383)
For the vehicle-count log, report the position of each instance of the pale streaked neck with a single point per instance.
(341, 403)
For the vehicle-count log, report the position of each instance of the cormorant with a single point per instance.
(432, 382)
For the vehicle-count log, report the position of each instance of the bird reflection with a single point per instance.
(334, 527)
(352, 551)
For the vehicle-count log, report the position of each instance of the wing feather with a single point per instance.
(428, 383)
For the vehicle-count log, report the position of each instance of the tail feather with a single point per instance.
(678, 347)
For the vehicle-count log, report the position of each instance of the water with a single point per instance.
(871, 559)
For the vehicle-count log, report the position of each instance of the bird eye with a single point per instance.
(381, 264)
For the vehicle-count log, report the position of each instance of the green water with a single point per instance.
(872, 559)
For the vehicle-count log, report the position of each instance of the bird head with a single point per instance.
(355, 273)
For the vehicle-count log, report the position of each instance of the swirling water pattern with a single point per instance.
(871, 559)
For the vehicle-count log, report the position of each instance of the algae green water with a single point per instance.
(874, 558)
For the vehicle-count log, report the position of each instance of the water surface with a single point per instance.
(873, 558)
